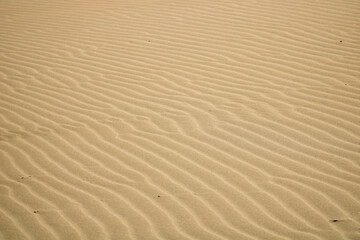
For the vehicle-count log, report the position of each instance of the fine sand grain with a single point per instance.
(166, 120)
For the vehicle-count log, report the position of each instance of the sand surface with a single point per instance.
(169, 119)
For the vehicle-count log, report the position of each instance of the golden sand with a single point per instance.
(207, 120)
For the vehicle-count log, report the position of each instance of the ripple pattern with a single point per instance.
(214, 120)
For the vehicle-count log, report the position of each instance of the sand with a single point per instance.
(207, 120)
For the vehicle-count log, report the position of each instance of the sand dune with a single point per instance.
(180, 119)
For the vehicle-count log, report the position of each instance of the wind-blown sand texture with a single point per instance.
(182, 119)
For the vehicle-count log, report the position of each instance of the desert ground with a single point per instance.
(172, 120)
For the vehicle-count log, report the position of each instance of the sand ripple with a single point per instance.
(179, 119)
